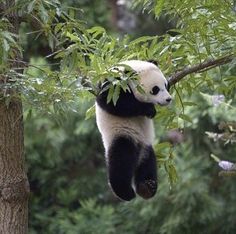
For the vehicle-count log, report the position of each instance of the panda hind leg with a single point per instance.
(122, 158)
(146, 174)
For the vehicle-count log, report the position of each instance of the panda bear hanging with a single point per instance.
(128, 133)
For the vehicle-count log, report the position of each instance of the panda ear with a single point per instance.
(155, 62)
(103, 85)
(129, 72)
(168, 86)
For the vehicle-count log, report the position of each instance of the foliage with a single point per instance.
(87, 55)
(203, 29)
(8, 45)
(63, 170)
(64, 202)
(64, 156)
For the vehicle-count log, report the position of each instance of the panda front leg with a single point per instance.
(122, 158)
(146, 174)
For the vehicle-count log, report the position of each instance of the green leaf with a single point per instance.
(172, 173)
(215, 158)
(189, 104)
(31, 6)
(6, 46)
(142, 39)
(73, 37)
(90, 112)
(159, 7)
(162, 146)
(96, 31)
(43, 13)
(164, 49)
(116, 94)
(110, 93)
(29, 115)
(185, 118)
(58, 27)
(140, 89)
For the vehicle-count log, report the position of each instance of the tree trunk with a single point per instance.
(14, 186)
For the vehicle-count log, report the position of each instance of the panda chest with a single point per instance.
(139, 128)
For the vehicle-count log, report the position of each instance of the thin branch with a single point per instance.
(198, 68)
(201, 67)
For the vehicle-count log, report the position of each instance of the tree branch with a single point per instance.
(201, 67)
(176, 77)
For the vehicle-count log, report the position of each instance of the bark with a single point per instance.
(14, 187)
(201, 67)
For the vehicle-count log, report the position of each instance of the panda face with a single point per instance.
(152, 81)
(155, 87)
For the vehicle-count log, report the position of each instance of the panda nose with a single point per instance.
(169, 99)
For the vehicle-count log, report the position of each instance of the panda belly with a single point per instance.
(139, 128)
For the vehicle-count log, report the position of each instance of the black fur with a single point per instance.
(123, 156)
(126, 106)
(146, 174)
(155, 62)
(122, 160)
(124, 164)
(168, 86)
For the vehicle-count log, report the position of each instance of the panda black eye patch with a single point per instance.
(155, 90)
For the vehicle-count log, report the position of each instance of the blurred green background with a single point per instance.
(66, 165)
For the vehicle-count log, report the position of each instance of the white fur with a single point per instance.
(150, 75)
(139, 128)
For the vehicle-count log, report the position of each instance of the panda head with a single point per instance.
(152, 81)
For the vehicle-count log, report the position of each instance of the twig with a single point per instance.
(201, 67)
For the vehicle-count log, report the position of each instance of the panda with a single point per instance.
(127, 131)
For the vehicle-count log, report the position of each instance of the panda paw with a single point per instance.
(151, 112)
(122, 191)
(146, 189)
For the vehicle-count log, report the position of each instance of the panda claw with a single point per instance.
(146, 189)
